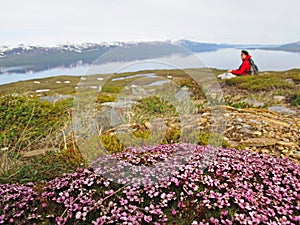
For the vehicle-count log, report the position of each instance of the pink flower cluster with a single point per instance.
(238, 187)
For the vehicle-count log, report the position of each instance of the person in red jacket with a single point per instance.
(244, 69)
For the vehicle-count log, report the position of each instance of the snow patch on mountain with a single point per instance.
(7, 51)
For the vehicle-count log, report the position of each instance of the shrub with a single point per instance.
(111, 143)
(212, 139)
(105, 97)
(295, 99)
(151, 106)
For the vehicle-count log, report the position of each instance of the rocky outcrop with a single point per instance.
(262, 131)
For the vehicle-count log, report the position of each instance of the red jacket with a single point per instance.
(244, 68)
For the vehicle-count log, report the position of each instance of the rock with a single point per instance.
(107, 119)
(183, 95)
(275, 123)
(279, 98)
(246, 125)
(148, 125)
(281, 110)
(119, 104)
(265, 151)
(290, 80)
(258, 133)
(55, 98)
(285, 152)
(245, 130)
(264, 131)
(290, 144)
(239, 119)
(253, 102)
(37, 152)
(254, 121)
(260, 141)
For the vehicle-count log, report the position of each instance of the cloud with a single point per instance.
(230, 21)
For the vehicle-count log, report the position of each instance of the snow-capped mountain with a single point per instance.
(9, 51)
(24, 58)
(30, 58)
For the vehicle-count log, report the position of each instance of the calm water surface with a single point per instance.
(221, 59)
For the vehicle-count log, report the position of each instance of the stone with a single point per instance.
(239, 119)
(55, 98)
(245, 130)
(246, 125)
(253, 102)
(148, 125)
(28, 154)
(281, 110)
(265, 151)
(119, 104)
(285, 140)
(107, 119)
(257, 133)
(265, 131)
(275, 123)
(279, 98)
(290, 144)
(254, 121)
(183, 95)
(285, 152)
(260, 141)
(290, 80)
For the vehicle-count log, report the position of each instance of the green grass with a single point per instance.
(43, 167)
(30, 124)
(151, 106)
(29, 87)
(213, 139)
(259, 83)
(105, 97)
(239, 104)
(266, 80)
(26, 122)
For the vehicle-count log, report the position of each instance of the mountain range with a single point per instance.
(24, 58)
(292, 47)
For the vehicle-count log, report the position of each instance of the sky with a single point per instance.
(213, 21)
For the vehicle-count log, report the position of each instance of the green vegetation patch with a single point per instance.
(42, 167)
(295, 99)
(259, 82)
(26, 121)
(153, 105)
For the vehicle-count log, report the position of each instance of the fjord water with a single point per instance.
(267, 60)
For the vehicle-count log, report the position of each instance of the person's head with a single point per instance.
(244, 54)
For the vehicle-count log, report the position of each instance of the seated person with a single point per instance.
(244, 69)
